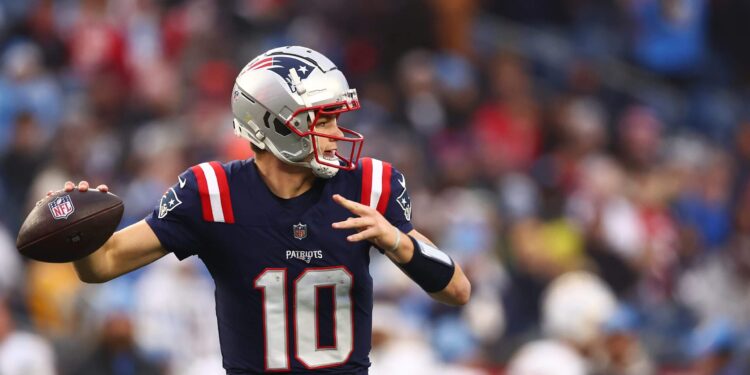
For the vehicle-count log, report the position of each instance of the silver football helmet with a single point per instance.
(278, 98)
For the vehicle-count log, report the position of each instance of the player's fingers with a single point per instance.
(354, 207)
(69, 186)
(83, 186)
(363, 235)
(50, 193)
(353, 222)
(103, 188)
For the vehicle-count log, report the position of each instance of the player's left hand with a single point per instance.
(370, 224)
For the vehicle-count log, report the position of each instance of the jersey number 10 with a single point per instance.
(272, 283)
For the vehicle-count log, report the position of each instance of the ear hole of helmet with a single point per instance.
(278, 125)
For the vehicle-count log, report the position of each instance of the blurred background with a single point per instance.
(586, 161)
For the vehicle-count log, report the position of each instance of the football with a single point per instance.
(68, 226)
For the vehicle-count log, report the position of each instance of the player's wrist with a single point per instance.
(402, 250)
(394, 246)
(396, 243)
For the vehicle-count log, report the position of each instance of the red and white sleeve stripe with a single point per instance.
(376, 184)
(213, 187)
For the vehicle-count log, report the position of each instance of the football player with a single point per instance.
(286, 235)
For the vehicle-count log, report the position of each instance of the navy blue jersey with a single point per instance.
(292, 294)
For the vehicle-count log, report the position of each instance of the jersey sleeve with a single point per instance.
(384, 188)
(177, 217)
(398, 209)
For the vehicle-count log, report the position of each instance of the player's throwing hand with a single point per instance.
(82, 187)
(369, 224)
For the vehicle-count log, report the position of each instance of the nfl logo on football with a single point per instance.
(61, 207)
(300, 231)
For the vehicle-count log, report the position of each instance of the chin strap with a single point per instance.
(322, 171)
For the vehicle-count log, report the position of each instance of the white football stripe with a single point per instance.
(213, 192)
(377, 182)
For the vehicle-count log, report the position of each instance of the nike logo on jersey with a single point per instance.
(182, 181)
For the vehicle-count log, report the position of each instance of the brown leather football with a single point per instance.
(68, 226)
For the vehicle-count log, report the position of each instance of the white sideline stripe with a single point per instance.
(213, 192)
(377, 182)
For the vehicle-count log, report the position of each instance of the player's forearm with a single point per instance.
(458, 290)
(127, 250)
(95, 268)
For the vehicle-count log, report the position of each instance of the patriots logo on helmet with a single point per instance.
(283, 66)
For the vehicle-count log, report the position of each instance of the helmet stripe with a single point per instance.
(254, 65)
(264, 65)
(260, 62)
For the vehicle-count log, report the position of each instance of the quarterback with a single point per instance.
(286, 235)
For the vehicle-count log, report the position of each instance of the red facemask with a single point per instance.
(350, 138)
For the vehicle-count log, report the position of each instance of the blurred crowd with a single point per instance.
(586, 161)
